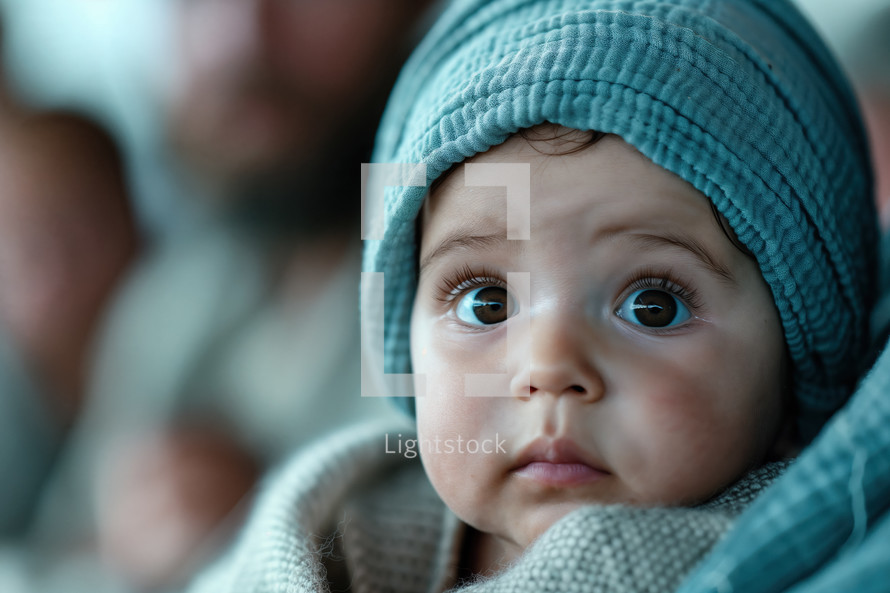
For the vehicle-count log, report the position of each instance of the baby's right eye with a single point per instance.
(486, 305)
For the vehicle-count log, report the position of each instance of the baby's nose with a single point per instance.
(562, 379)
(560, 362)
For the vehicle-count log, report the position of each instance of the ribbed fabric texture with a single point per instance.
(740, 98)
(346, 516)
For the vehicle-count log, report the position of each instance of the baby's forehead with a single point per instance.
(578, 187)
(608, 179)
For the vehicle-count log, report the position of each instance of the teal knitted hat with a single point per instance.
(738, 97)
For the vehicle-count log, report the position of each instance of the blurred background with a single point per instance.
(179, 259)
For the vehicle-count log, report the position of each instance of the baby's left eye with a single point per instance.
(653, 308)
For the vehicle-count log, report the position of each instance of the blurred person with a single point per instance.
(235, 338)
(276, 90)
(166, 497)
(66, 235)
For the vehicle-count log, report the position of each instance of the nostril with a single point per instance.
(531, 390)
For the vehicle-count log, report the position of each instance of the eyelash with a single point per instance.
(667, 281)
(466, 279)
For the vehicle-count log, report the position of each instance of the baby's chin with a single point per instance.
(515, 538)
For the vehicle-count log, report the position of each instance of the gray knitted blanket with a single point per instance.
(346, 516)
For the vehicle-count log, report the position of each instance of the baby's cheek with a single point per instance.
(447, 358)
(444, 428)
(675, 436)
(447, 421)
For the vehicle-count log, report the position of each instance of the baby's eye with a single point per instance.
(485, 306)
(650, 307)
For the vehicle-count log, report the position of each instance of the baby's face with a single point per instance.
(645, 366)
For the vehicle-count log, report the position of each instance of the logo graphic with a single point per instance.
(377, 180)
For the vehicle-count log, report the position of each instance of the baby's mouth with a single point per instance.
(557, 462)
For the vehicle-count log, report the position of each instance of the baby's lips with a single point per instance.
(558, 451)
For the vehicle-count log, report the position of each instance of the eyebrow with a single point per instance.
(701, 253)
(458, 241)
(466, 240)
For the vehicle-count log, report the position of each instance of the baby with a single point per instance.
(691, 296)
(653, 369)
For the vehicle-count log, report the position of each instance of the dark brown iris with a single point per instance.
(490, 305)
(654, 308)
